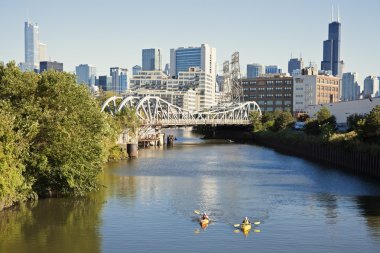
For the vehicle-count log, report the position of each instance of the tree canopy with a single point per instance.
(58, 134)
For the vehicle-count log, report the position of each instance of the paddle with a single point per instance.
(255, 223)
(197, 212)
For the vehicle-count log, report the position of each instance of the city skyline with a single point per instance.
(84, 38)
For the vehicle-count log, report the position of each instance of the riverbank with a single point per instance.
(341, 150)
(346, 155)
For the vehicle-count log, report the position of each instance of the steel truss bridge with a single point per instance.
(154, 111)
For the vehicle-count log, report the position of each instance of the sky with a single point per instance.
(113, 32)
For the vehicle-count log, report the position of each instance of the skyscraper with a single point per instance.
(31, 33)
(203, 57)
(331, 49)
(85, 74)
(136, 69)
(254, 70)
(294, 64)
(47, 65)
(151, 59)
(272, 69)
(371, 86)
(119, 79)
(350, 86)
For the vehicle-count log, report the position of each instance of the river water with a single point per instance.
(147, 205)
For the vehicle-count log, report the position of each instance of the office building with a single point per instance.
(48, 65)
(105, 83)
(312, 88)
(167, 69)
(254, 70)
(151, 59)
(42, 52)
(119, 79)
(331, 49)
(31, 33)
(136, 69)
(272, 93)
(350, 86)
(85, 74)
(203, 57)
(194, 79)
(272, 69)
(371, 86)
(295, 64)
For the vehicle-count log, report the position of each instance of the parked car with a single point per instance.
(299, 125)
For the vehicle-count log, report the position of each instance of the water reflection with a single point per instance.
(70, 225)
(370, 209)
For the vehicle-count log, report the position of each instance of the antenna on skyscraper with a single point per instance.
(338, 15)
(332, 13)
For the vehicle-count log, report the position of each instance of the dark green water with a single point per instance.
(148, 206)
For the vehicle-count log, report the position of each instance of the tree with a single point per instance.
(255, 118)
(369, 128)
(61, 122)
(284, 120)
(13, 186)
(353, 120)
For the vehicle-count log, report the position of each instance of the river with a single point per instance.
(147, 205)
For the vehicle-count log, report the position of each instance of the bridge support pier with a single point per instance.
(170, 140)
(132, 150)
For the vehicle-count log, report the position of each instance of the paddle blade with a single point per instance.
(257, 223)
(236, 225)
(257, 230)
(237, 231)
(197, 212)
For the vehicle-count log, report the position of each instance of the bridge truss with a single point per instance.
(154, 111)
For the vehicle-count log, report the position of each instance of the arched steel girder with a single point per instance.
(156, 111)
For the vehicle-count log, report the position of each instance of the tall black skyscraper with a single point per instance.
(331, 49)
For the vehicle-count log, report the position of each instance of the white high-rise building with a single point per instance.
(119, 79)
(371, 86)
(203, 57)
(350, 86)
(32, 43)
(85, 74)
(42, 52)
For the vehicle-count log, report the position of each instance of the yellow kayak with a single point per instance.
(245, 226)
(204, 221)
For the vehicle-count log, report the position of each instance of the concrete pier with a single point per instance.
(132, 150)
(170, 140)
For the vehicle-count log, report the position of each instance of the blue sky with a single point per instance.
(112, 33)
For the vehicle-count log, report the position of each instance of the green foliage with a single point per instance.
(323, 125)
(323, 115)
(255, 118)
(312, 127)
(13, 187)
(65, 133)
(353, 121)
(369, 128)
(284, 120)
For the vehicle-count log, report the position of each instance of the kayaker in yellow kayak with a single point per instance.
(205, 216)
(246, 221)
